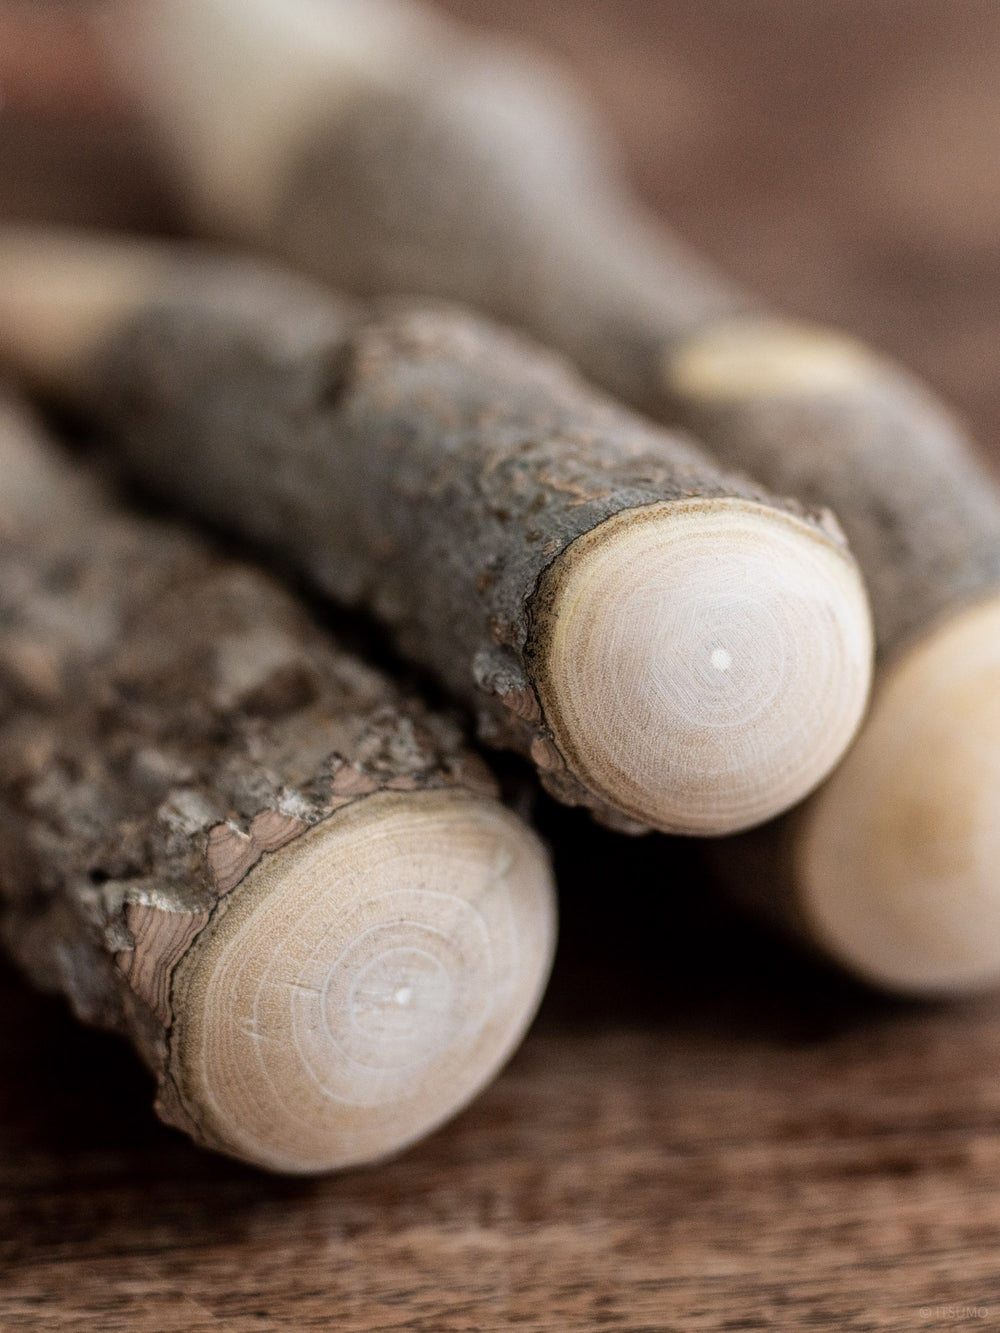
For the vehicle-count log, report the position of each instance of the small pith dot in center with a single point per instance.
(721, 660)
(403, 996)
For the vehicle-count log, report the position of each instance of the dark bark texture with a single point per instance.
(415, 462)
(167, 717)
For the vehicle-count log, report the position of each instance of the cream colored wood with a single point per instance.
(758, 358)
(234, 122)
(363, 983)
(59, 299)
(898, 861)
(706, 663)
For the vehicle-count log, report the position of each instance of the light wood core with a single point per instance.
(60, 296)
(899, 862)
(758, 358)
(362, 984)
(705, 663)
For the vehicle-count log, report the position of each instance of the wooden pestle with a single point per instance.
(670, 646)
(288, 885)
(377, 147)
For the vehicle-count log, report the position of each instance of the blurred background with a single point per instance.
(839, 155)
(703, 1126)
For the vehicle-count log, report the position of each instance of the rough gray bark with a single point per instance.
(482, 179)
(168, 718)
(420, 463)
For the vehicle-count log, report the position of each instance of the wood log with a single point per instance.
(427, 162)
(669, 645)
(291, 887)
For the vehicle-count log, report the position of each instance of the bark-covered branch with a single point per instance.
(670, 645)
(290, 886)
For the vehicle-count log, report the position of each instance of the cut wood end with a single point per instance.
(899, 852)
(363, 983)
(62, 294)
(762, 358)
(703, 663)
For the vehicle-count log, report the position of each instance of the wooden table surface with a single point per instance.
(702, 1132)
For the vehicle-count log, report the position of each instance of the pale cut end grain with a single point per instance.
(757, 358)
(59, 299)
(364, 982)
(706, 661)
(898, 862)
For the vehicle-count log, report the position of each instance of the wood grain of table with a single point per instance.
(703, 1131)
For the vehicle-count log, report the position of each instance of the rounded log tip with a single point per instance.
(703, 663)
(898, 857)
(754, 357)
(362, 984)
(62, 293)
